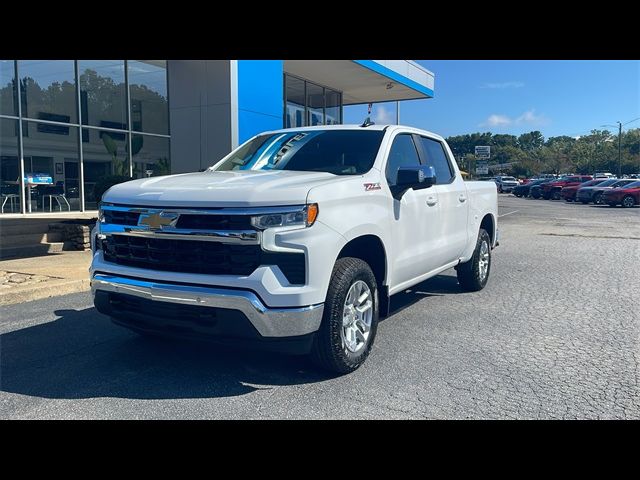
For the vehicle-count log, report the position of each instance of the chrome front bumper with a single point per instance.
(269, 322)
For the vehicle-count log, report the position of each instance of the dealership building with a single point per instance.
(66, 125)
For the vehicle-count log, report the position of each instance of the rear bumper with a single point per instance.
(221, 302)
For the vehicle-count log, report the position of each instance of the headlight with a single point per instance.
(101, 211)
(304, 217)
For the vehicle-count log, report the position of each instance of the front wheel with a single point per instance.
(555, 195)
(597, 199)
(474, 274)
(350, 318)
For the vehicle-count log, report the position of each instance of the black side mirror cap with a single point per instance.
(413, 177)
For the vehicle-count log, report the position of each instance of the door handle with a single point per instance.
(431, 201)
(462, 198)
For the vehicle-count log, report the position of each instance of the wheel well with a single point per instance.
(488, 224)
(370, 249)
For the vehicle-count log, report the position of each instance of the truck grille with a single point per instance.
(190, 221)
(192, 256)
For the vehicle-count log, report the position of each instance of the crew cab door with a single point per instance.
(414, 218)
(452, 236)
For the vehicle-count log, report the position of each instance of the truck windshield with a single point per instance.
(340, 152)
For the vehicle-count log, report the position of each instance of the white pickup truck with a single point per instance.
(297, 239)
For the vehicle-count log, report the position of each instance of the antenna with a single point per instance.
(368, 121)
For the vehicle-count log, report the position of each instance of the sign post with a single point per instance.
(483, 152)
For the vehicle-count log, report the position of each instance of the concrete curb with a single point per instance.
(50, 288)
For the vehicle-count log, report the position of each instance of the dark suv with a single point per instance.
(553, 189)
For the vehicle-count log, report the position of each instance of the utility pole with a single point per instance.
(397, 113)
(619, 149)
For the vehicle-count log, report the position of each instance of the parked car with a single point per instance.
(296, 240)
(627, 195)
(535, 191)
(552, 189)
(524, 190)
(569, 192)
(506, 184)
(594, 194)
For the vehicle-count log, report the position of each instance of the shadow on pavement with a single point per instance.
(82, 354)
(436, 286)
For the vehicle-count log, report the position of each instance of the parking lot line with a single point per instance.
(508, 213)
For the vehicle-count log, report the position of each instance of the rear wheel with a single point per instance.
(555, 195)
(350, 318)
(474, 274)
(628, 201)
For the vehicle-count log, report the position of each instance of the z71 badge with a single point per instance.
(371, 186)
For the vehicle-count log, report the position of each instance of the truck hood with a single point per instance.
(220, 189)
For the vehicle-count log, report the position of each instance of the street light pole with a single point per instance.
(619, 149)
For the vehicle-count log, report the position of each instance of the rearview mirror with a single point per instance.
(413, 177)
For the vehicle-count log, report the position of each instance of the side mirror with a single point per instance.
(413, 177)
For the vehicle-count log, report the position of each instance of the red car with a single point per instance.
(627, 196)
(553, 189)
(569, 193)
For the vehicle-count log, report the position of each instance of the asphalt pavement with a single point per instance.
(555, 334)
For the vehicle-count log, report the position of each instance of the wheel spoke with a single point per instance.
(363, 308)
(363, 297)
(363, 327)
(360, 336)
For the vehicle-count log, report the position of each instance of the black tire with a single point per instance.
(628, 201)
(499, 189)
(597, 199)
(569, 200)
(584, 202)
(555, 195)
(535, 194)
(469, 272)
(329, 351)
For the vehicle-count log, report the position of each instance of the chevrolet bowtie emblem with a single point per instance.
(156, 221)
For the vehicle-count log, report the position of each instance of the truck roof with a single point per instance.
(356, 127)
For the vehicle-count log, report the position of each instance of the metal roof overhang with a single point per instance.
(367, 81)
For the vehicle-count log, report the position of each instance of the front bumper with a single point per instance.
(268, 322)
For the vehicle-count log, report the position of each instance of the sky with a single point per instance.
(557, 97)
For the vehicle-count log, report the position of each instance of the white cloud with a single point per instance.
(528, 118)
(382, 115)
(503, 85)
(496, 120)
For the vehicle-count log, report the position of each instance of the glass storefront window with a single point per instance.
(7, 88)
(315, 104)
(148, 91)
(295, 101)
(333, 111)
(51, 151)
(103, 100)
(56, 107)
(150, 156)
(9, 167)
(49, 90)
(106, 161)
(309, 104)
